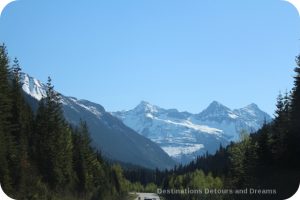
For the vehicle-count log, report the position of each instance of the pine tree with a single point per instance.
(280, 128)
(82, 158)
(280, 108)
(16, 122)
(263, 139)
(22, 120)
(5, 126)
(243, 157)
(294, 139)
(54, 141)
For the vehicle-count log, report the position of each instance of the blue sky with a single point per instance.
(172, 53)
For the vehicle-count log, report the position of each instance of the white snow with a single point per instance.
(32, 87)
(233, 116)
(91, 109)
(149, 115)
(201, 128)
(180, 150)
(248, 111)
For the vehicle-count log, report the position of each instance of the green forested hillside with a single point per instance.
(42, 156)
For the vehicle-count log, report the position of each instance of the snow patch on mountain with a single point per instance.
(37, 90)
(196, 127)
(178, 151)
(91, 109)
(233, 116)
(32, 86)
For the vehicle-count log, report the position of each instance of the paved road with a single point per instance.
(149, 196)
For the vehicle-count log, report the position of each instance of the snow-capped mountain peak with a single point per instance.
(146, 107)
(253, 106)
(37, 90)
(216, 108)
(32, 86)
(216, 111)
(253, 116)
(216, 104)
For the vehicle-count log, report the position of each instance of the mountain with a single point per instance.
(115, 140)
(185, 135)
(232, 122)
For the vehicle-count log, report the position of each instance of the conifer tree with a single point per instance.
(5, 126)
(16, 123)
(279, 132)
(54, 141)
(83, 158)
(264, 151)
(294, 139)
(243, 157)
(22, 120)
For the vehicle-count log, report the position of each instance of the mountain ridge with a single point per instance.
(109, 135)
(184, 135)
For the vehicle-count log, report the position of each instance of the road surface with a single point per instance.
(147, 196)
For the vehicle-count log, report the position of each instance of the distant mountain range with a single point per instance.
(151, 136)
(184, 135)
(115, 140)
